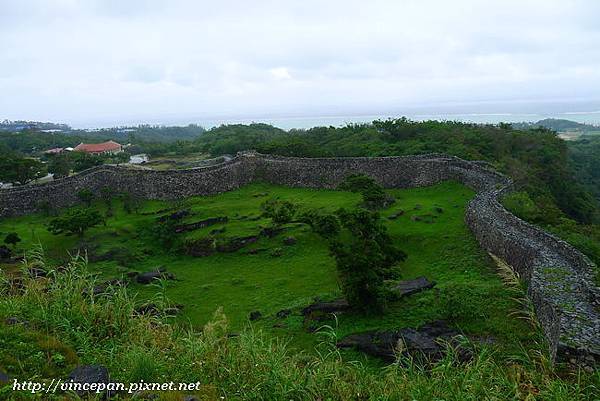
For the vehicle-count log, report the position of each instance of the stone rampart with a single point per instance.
(559, 278)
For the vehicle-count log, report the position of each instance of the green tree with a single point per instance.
(12, 239)
(60, 165)
(364, 257)
(75, 222)
(279, 211)
(19, 170)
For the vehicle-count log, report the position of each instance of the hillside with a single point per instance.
(269, 274)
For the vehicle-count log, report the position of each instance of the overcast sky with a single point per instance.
(106, 62)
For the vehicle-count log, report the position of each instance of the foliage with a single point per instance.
(326, 225)
(364, 256)
(86, 196)
(75, 222)
(521, 205)
(373, 194)
(12, 239)
(20, 170)
(131, 202)
(60, 165)
(281, 212)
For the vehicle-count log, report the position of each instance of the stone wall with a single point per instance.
(559, 278)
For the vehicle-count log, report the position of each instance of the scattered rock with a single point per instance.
(395, 215)
(233, 335)
(4, 378)
(255, 315)
(132, 274)
(289, 241)
(438, 209)
(190, 398)
(149, 277)
(282, 314)
(279, 325)
(277, 252)
(409, 287)
(418, 206)
(89, 374)
(147, 309)
(200, 224)
(37, 273)
(423, 342)
(416, 218)
(256, 251)
(218, 231)
(261, 194)
(103, 287)
(12, 321)
(235, 244)
(178, 215)
(271, 232)
(5, 252)
(339, 305)
(201, 247)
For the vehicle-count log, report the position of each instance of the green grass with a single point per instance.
(66, 327)
(439, 246)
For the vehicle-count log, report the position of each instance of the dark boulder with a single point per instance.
(12, 321)
(409, 287)
(255, 315)
(147, 309)
(282, 314)
(89, 374)
(132, 274)
(201, 247)
(289, 241)
(149, 277)
(271, 232)
(427, 341)
(339, 305)
(4, 378)
(200, 224)
(5, 252)
(235, 244)
(178, 215)
(395, 215)
(37, 272)
(103, 288)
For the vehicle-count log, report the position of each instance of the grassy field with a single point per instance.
(469, 293)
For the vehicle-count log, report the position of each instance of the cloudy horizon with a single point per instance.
(106, 62)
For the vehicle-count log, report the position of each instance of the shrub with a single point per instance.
(75, 221)
(12, 239)
(279, 211)
(364, 257)
(373, 195)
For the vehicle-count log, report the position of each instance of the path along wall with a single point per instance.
(559, 278)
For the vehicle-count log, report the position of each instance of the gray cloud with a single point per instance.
(106, 61)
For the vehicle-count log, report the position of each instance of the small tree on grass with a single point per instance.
(364, 255)
(373, 194)
(12, 239)
(75, 222)
(281, 212)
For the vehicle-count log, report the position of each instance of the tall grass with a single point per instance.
(106, 330)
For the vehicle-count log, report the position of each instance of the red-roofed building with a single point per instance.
(99, 148)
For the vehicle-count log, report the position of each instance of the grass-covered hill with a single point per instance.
(201, 322)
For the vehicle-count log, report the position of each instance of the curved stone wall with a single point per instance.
(559, 278)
